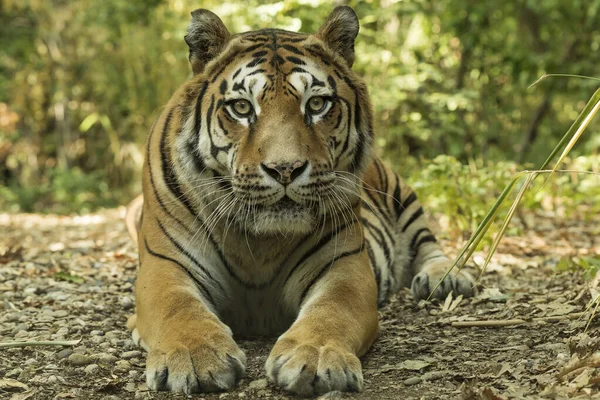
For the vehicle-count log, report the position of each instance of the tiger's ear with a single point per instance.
(339, 31)
(206, 37)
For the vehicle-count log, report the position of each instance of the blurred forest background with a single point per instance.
(81, 82)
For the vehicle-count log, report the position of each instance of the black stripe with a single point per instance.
(415, 237)
(299, 69)
(407, 202)
(256, 62)
(155, 190)
(295, 60)
(201, 285)
(413, 218)
(326, 267)
(382, 223)
(321, 57)
(188, 255)
(313, 250)
(379, 207)
(380, 239)
(374, 265)
(348, 126)
(168, 170)
(223, 87)
(396, 198)
(197, 114)
(292, 49)
(383, 172)
(425, 239)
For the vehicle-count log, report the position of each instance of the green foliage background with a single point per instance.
(81, 82)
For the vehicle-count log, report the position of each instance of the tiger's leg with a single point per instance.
(417, 248)
(189, 348)
(429, 264)
(337, 323)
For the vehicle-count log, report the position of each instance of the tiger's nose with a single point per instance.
(284, 173)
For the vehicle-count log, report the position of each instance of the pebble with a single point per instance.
(64, 353)
(91, 369)
(62, 331)
(126, 303)
(105, 358)
(130, 387)
(79, 359)
(412, 381)
(13, 373)
(97, 339)
(258, 384)
(128, 355)
(122, 365)
(31, 291)
(433, 375)
(30, 361)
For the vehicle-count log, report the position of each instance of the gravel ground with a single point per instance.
(72, 278)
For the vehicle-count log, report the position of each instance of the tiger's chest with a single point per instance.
(256, 313)
(255, 296)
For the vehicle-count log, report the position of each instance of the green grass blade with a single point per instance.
(545, 76)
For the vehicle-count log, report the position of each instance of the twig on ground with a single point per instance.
(512, 322)
(41, 343)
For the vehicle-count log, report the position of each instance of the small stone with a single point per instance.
(64, 353)
(130, 387)
(13, 373)
(30, 361)
(91, 369)
(128, 355)
(52, 379)
(62, 331)
(31, 291)
(21, 334)
(433, 375)
(258, 384)
(412, 381)
(122, 365)
(126, 303)
(97, 339)
(105, 358)
(11, 385)
(79, 359)
(60, 313)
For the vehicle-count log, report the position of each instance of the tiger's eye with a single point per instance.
(316, 104)
(242, 107)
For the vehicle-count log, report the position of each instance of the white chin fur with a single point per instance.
(272, 223)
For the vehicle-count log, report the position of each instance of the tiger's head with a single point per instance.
(277, 121)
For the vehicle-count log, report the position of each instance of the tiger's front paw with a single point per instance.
(427, 280)
(309, 369)
(205, 360)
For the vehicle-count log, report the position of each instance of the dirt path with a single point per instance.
(65, 278)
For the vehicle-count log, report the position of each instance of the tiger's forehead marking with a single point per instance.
(278, 65)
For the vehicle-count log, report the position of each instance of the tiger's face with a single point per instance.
(283, 125)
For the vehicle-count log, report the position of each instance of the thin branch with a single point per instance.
(494, 323)
(40, 343)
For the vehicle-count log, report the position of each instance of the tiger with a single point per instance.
(264, 212)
